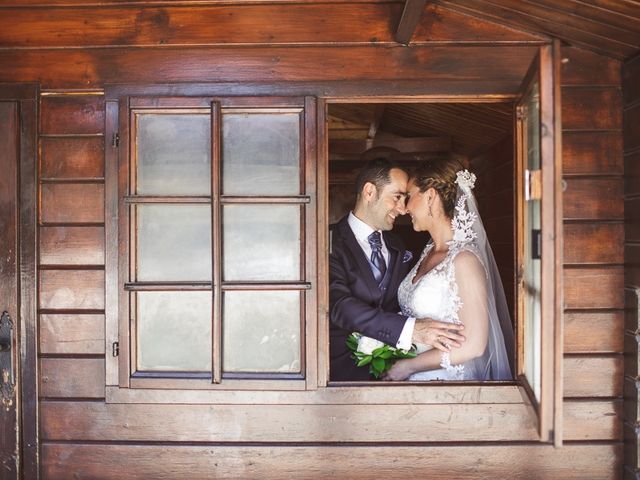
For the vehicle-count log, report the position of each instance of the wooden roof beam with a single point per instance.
(409, 21)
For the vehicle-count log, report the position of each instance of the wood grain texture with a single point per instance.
(96, 421)
(631, 119)
(600, 332)
(591, 108)
(74, 157)
(72, 289)
(468, 69)
(582, 67)
(593, 243)
(76, 114)
(525, 462)
(632, 174)
(632, 264)
(594, 199)
(630, 84)
(594, 287)
(72, 334)
(72, 203)
(72, 245)
(72, 377)
(592, 153)
(632, 219)
(589, 376)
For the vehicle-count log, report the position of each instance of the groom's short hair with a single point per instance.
(375, 171)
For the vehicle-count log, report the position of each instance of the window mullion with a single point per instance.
(216, 242)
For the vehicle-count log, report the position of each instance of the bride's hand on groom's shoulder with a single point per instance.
(440, 335)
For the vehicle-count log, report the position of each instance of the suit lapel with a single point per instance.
(395, 262)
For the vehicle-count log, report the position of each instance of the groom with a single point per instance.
(366, 265)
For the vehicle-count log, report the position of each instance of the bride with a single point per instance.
(456, 280)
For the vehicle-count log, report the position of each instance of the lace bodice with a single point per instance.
(435, 296)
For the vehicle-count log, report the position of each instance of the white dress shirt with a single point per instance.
(362, 231)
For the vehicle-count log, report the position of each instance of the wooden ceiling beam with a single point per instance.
(409, 21)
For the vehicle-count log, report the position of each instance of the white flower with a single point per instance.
(462, 222)
(465, 179)
(367, 345)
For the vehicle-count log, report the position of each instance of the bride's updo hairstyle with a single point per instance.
(439, 174)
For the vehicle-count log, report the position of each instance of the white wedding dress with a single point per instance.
(435, 296)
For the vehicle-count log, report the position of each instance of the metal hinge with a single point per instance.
(520, 112)
(115, 349)
(115, 141)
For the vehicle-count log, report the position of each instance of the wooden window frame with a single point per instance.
(503, 409)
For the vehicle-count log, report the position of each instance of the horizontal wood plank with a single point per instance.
(583, 420)
(592, 420)
(584, 243)
(72, 245)
(631, 119)
(72, 114)
(632, 264)
(72, 203)
(448, 69)
(582, 67)
(632, 174)
(593, 199)
(72, 334)
(72, 377)
(140, 462)
(293, 423)
(72, 289)
(592, 153)
(72, 157)
(591, 108)
(592, 376)
(594, 287)
(600, 332)
(630, 84)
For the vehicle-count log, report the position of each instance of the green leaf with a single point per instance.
(386, 354)
(364, 360)
(378, 364)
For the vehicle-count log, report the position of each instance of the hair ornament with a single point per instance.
(465, 180)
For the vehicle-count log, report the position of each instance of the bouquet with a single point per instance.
(378, 355)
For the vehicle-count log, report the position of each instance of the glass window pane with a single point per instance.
(174, 154)
(261, 242)
(174, 242)
(261, 331)
(174, 331)
(532, 266)
(261, 154)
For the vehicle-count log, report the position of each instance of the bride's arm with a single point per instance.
(472, 290)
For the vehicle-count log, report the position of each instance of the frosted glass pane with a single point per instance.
(174, 242)
(261, 332)
(174, 331)
(261, 154)
(261, 242)
(174, 154)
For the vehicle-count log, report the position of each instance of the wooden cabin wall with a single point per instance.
(495, 194)
(82, 436)
(631, 133)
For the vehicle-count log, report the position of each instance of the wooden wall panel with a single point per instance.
(72, 289)
(72, 203)
(449, 69)
(72, 334)
(632, 174)
(72, 157)
(592, 376)
(592, 153)
(632, 264)
(72, 377)
(589, 332)
(632, 127)
(592, 420)
(525, 462)
(594, 287)
(591, 109)
(594, 199)
(630, 85)
(72, 245)
(72, 114)
(593, 243)
(582, 67)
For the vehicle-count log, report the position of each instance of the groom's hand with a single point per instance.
(440, 335)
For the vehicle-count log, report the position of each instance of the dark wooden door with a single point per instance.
(18, 438)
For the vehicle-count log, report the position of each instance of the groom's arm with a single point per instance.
(349, 311)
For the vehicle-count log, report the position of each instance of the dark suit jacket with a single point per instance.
(357, 304)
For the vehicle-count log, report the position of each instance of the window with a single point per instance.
(215, 230)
